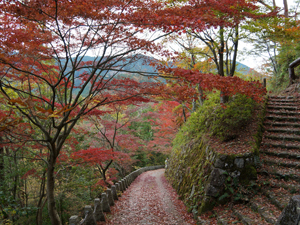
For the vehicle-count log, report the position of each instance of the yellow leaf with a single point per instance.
(54, 115)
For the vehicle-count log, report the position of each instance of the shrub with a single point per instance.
(217, 120)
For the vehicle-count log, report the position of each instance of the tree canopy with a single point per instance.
(47, 88)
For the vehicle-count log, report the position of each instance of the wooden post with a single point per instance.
(291, 74)
(292, 70)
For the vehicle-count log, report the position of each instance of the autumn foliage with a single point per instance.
(47, 87)
(209, 82)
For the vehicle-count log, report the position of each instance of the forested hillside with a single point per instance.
(91, 91)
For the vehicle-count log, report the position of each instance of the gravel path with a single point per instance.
(150, 199)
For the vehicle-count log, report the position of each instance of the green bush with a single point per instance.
(227, 121)
(217, 120)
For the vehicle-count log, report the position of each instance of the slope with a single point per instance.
(278, 172)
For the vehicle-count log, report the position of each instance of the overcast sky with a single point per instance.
(255, 61)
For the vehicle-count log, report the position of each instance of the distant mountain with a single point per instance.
(138, 67)
(242, 68)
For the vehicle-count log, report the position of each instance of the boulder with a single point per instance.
(291, 213)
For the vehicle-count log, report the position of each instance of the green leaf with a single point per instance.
(225, 195)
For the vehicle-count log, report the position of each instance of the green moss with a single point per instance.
(230, 159)
(248, 173)
(207, 204)
(260, 130)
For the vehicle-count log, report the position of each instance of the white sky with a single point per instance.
(254, 61)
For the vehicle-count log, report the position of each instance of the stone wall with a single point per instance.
(200, 175)
(204, 178)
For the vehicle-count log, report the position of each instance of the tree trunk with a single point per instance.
(16, 176)
(39, 214)
(235, 51)
(41, 203)
(201, 94)
(223, 98)
(183, 113)
(286, 8)
(221, 53)
(1, 165)
(52, 211)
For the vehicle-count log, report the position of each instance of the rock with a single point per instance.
(291, 213)
(98, 213)
(228, 165)
(110, 197)
(219, 163)
(105, 203)
(223, 157)
(89, 217)
(257, 161)
(235, 174)
(211, 190)
(74, 220)
(114, 192)
(239, 162)
(217, 177)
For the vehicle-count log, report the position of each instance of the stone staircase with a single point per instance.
(280, 148)
(279, 170)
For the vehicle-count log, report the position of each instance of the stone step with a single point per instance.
(288, 165)
(281, 124)
(261, 205)
(281, 97)
(283, 137)
(287, 108)
(280, 144)
(246, 215)
(281, 105)
(283, 113)
(280, 172)
(290, 186)
(282, 118)
(282, 153)
(225, 216)
(283, 131)
(279, 197)
(285, 162)
(282, 102)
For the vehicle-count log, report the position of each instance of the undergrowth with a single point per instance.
(215, 119)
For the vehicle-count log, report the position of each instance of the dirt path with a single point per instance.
(150, 200)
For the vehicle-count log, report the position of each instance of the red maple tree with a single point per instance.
(45, 77)
(44, 74)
